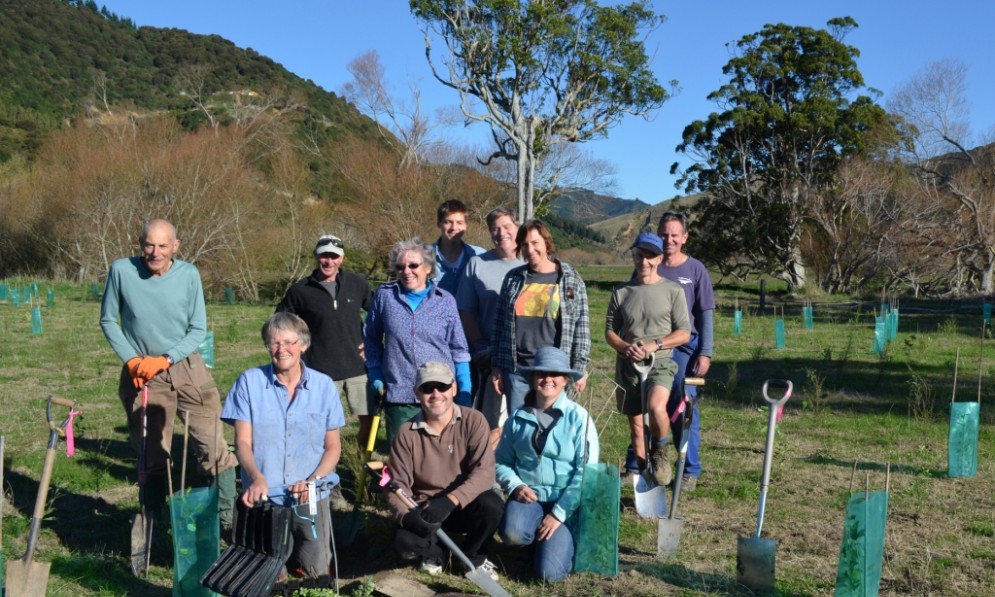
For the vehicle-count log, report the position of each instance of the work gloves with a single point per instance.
(437, 509)
(143, 369)
(151, 366)
(428, 517)
(414, 522)
(136, 377)
(375, 377)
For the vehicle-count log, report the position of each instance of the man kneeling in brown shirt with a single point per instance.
(442, 458)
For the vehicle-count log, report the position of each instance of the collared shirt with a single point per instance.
(458, 461)
(399, 340)
(575, 325)
(288, 436)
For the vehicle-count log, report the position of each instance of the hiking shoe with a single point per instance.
(662, 471)
(337, 500)
(432, 566)
(487, 566)
(688, 483)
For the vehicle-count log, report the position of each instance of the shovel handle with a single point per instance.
(694, 381)
(778, 384)
(644, 366)
(62, 401)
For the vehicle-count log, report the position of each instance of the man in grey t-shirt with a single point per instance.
(476, 299)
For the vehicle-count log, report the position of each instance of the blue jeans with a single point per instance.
(516, 386)
(553, 557)
(683, 356)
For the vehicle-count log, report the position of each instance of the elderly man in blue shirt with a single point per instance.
(287, 418)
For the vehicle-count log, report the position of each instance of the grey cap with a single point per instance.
(434, 371)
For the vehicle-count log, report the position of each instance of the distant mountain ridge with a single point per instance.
(66, 59)
(587, 207)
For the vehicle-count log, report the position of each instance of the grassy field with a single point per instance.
(850, 405)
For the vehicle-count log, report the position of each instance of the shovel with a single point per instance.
(651, 499)
(668, 536)
(362, 490)
(25, 576)
(755, 556)
(474, 574)
(141, 526)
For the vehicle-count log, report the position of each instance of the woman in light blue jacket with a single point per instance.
(540, 464)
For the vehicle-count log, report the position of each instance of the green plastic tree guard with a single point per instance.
(779, 340)
(962, 443)
(737, 322)
(862, 551)
(196, 544)
(594, 525)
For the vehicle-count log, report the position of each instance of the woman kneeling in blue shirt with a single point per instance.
(540, 464)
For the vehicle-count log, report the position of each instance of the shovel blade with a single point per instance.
(668, 537)
(27, 580)
(141, 544)
(651, 499)
(755, 563)
(486, 583)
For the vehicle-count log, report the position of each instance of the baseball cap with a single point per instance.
(329, 244)
(434, 371)
(649, 242)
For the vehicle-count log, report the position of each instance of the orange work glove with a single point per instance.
(151, 366)
(136, 377)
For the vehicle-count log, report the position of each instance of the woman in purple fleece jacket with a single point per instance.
(412, 321)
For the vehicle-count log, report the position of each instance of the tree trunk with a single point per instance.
(794, 271)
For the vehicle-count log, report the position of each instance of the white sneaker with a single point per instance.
(489, 568)
(431, 566)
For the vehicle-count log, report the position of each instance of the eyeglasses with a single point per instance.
(411, 266)
(673, 215)
(277, 345)
(434, 386)
(335, 242)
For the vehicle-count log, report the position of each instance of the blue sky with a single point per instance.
(315, 39)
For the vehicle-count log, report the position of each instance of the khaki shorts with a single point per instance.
(628, 399)
(355, 394)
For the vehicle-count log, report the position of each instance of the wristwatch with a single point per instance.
(659, 343)
(169, 359)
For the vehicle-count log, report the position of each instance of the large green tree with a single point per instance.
(542, 72)
(789, 116)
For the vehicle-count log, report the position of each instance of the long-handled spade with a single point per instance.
(141, 526)
(650, 498)
(755, 556)
(476, 575)
(26, 577)
(669, 532)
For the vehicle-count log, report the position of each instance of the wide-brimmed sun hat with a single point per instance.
(553, 360)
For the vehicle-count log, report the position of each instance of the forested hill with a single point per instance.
(60, 59)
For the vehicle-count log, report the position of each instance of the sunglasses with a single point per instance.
(434, 386)
(335, 242)
(548, 374)
(411, 266)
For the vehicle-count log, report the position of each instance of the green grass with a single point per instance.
(849, 405)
